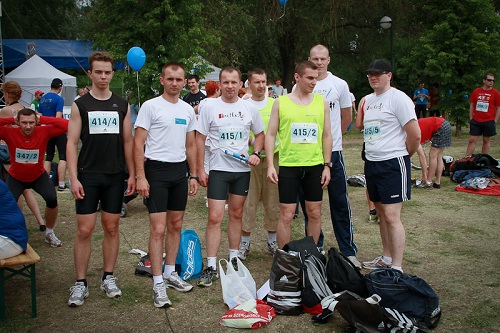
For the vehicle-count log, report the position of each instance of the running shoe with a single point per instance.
(272, 247)
(62, 188)
(208, 276)
(244, 250)
(373, 218)
(52, 239)
(376, 263)
(78, 294)
(160, 297)
(109, 286)
(354, 261)
(174, 281)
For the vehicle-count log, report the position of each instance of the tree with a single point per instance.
(458, 45)
(167, 30)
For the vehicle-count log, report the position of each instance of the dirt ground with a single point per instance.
(452, 242)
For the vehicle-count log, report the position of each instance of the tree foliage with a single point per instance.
(457, 46)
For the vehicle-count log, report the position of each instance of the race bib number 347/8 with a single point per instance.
(104, 122)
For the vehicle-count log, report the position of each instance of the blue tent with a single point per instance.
(62, 54)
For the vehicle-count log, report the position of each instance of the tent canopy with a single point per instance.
(37, 74)
(66, 54)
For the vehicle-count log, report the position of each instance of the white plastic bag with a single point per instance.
(237, 286)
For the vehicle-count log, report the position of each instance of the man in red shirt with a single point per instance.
(438, 131)
(484, 113)
(27, 144)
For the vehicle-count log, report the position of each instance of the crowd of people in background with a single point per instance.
(245, 142)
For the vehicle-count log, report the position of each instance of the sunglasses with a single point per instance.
(490, 80)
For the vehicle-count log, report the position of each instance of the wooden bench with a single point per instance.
(28, 261)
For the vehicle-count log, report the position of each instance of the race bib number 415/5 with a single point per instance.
(104, 122)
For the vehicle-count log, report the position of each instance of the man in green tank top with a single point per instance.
(302, 122)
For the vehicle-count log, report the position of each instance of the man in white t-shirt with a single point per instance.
(166, 125)
(391, 136)
(336, 91)
(227, 122)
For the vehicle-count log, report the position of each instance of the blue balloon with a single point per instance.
(136, 58)
(282, 2)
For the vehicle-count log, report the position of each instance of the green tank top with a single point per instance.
(300, 132)
(265, 114)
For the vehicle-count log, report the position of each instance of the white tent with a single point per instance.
(213, 75)
(37, 74)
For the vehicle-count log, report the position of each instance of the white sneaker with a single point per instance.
(174, 281)
(354, 261)
(78, 294)
(52, 239)
(244, 250)
(108, 285)
(160, 298)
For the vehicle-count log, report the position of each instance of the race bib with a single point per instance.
(231, 136)
(372, 131)
(304, 133)
(27, 156)
(104, 122)
(482, 106)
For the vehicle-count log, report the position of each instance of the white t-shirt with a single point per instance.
(336, 91)
(167, 125)
(228, 126)
(384, 119)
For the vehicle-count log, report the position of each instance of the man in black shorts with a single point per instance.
(101, 120)
(302, 122)
(166, 124)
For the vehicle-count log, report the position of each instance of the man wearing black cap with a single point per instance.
(51, 105)
(391, 136)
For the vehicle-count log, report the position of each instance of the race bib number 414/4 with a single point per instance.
(104, 122)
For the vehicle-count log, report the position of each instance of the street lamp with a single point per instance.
(386, 23)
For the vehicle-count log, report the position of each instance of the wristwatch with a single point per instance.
(257, 153)
(194, 177)
(328, 164)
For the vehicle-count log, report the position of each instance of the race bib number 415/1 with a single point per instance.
(231, 136)
(104, 122)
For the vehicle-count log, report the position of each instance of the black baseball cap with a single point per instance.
(379, 66)
(56, 83)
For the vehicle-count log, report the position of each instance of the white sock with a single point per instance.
(245, 239)
(157, 279)
(48, 231)
(387, 260)
(168, 270)
(233, 254)
(271, 237)
(399, 268)
(62, 184)
(212, 262)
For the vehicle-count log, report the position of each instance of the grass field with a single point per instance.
(452, 242)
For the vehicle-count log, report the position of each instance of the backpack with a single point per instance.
(314, 286)
(408, 294)
(342, 275)
(144, 266)
(473, 162)
(189, 261)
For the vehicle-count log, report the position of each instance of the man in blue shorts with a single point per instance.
(166, 124)
(227, 122)
(101, 120)
(391, 136)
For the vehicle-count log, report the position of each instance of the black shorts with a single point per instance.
(220, 183)
(487, 128)
(42, 185)
(389, 181)
(59, 141)
(109, 189)
(309, 177)
(168, 186)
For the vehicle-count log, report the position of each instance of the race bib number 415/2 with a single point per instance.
(304, 133)
(104, 122)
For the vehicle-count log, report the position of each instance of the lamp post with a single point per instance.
(386, 23)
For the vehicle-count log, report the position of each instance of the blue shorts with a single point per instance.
(389, 181)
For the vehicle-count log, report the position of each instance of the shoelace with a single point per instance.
(161, 292)
(77, 291)
(110, 282)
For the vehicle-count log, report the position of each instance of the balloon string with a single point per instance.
(138, 92)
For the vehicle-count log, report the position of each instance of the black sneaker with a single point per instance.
(62, 188)
(208, 276)
(436, 185)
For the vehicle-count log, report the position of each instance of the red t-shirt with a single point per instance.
(486, 103)
(429, 126)
(27, 153)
